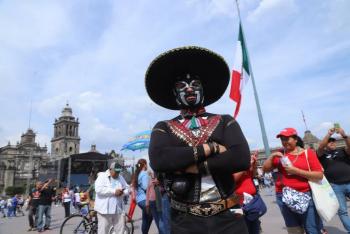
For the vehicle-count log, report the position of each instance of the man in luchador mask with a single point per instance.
(196, 153)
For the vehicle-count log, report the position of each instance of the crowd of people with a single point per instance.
(12, 206)
(37, 203)
(204, 178)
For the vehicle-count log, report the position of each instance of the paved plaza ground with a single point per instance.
(272, 221)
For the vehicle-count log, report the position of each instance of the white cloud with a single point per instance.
(272, 9)
(337, 15)
(30, 25)
(96, 132)
(89, 101)
(52, 104)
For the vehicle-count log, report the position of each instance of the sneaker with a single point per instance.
(47, 228)
(30, 229)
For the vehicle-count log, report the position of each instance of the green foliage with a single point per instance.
(12, 190)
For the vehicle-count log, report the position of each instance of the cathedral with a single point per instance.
(23, 162)
(66, 140)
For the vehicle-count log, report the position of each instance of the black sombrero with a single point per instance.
(210, 67)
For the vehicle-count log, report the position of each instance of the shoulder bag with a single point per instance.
(325, 200)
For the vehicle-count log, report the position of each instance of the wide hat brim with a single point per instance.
(209, 67)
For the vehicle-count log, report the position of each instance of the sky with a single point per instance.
(94, 54)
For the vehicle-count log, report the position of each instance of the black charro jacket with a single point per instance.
(170, 156)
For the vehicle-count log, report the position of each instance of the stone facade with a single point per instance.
(66, 140)
(15, 161)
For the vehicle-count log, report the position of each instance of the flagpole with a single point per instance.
(302, 113)
(261, 120)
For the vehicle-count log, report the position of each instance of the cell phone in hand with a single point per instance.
(336, 125)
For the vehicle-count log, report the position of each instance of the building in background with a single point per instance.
(21, 161)
(66, 140)
(27, 161)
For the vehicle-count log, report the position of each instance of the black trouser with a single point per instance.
(225, 222)
(32, 217)
(66, 208)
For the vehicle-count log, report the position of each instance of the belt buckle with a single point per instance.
(207, 209)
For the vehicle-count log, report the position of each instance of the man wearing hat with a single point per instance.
(336, 164)
(196, 153)
(110, 188)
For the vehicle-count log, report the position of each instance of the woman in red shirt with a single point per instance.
(294, 171)
(244, 184)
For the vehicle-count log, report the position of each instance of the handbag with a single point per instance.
(325, 200)
(255, 208)
(296, 201)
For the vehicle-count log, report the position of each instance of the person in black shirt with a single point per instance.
(44, 207)
(336, 164)
(196, 153)
(33, 204)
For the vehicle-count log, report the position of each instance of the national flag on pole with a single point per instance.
(241, 71)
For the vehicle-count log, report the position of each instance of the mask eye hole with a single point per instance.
(195, 83)
(180, 85)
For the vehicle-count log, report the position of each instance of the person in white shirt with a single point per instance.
(77, 198)
(2, 207)
(66, 200)
(110, 187)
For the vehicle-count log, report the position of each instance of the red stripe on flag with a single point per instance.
(238, 105)
(235, 92)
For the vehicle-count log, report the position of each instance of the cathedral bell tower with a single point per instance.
(66, 140)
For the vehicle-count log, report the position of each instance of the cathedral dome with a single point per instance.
(67, 111)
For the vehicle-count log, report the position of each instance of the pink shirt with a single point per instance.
(150, 194)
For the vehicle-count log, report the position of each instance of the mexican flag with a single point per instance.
(241, 71)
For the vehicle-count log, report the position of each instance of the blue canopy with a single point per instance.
(139, 142)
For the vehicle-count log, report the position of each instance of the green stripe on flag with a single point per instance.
(245, 60)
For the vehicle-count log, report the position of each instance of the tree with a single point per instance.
(12, 190)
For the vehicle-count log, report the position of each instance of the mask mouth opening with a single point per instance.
(191, 97)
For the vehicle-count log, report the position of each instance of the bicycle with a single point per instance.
(86, 223)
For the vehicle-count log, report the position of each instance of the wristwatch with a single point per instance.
(344, 137)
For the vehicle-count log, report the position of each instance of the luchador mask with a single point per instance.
(189, 91)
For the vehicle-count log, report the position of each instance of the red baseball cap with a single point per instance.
(287, 132)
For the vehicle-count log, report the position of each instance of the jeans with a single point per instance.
(146, 218)
(11, 211)
(157, 216)
(310, 220)
(166, 213)
(341, 191)
(43, 209)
